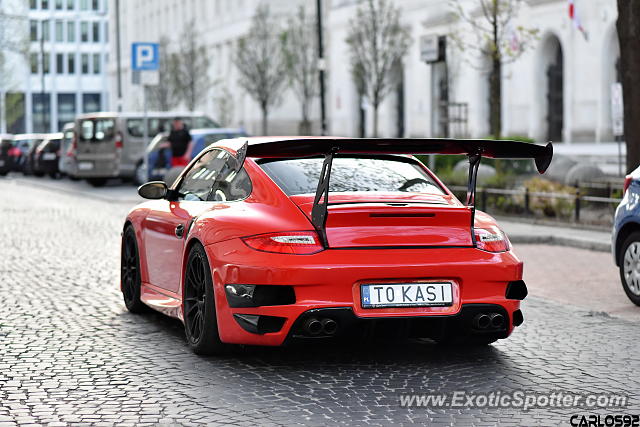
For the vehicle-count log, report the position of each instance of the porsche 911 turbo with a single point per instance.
(268, 241)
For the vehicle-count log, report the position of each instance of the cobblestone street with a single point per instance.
(70, 354)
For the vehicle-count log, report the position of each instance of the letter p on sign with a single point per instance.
(145, 56)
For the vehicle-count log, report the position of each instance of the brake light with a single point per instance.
(291, 242)
(118, 140)
(627, 182)
(491, 239)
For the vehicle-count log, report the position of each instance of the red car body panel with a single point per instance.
(430, 240)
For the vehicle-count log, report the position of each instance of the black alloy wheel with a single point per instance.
(130, 272)
(200, 322)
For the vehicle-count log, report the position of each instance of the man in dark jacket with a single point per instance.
(179, 138)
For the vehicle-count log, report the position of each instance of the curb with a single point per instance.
(561, 241)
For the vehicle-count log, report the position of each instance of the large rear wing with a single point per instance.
(474, 149)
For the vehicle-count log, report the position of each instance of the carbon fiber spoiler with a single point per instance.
(475, 149)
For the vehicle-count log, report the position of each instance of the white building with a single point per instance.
(559, 89)
(64, 72)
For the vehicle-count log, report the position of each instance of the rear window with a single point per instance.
(351, 174)
(97, 130)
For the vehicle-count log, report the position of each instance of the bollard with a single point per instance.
(526, 200)
(577, 213)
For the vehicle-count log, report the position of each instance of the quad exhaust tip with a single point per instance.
(491, 320)
(314, 327)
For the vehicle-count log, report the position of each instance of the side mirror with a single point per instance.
(153, 190)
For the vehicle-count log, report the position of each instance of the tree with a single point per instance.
(260, 62)
(377, 43)
(161, 96)
(301, 59)
(495, 37)
(190, 67)
(14, 42)
(224, 107)
(628, 26)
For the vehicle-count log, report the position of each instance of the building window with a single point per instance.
(46, 62)
(15, 112)
(95, 4)
(60, 63)
(96, 32)
(33, 30)
(71, 4)
(44, 4)
(96, 63)
(45, 30)
(33, 61)
(71, 31)
(66, 108)
(106, 32)
(71, 63)
(84, 4)
(59, 4)
(90, 102)
(40, 112)
(33, 4)
(85, 63)
(84, 32)
(59, 31)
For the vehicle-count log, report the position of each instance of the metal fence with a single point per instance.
(578, 201)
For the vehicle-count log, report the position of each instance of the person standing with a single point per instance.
(180, 139)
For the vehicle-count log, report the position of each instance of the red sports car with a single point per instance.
(263, 241)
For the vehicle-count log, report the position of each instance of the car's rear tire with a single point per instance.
(630, 266)
(130, 272)
(97, 182)
(200, 324)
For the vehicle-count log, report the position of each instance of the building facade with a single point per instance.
(559, 89)
(63, 72)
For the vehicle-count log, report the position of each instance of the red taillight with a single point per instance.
(627, 182)
(291, 242)
(118, 140)
(491, 239)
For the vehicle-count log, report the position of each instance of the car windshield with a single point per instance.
(351, 174)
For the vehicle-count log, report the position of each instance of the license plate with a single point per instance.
(49, 156)
(433, 294)
(84, 166)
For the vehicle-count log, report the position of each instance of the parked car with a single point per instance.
(111, 145)
(264, 241)
(22, 151)
(67, 160)
(47, 155)
(625, 239)
(159, 150)
(5, 148)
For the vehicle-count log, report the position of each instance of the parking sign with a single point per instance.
(145, 56)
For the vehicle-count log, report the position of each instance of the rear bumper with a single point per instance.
(331, 280)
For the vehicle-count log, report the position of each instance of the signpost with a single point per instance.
(145, 59)
(617, 119)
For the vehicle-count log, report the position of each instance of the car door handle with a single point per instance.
(180, 231)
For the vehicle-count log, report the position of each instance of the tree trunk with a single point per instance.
(628, 26)
(265, 114)
(495, 98)
(375, 120)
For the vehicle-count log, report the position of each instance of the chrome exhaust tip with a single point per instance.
(497, 320)
(481, 321)
(312, 326)
(329, 326)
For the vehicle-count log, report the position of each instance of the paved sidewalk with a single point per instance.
(524, 232)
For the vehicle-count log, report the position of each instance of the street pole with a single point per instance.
(118, 56)
(145, 157)
(42, 88)
(321, 67)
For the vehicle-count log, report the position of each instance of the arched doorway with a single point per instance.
(555, 92)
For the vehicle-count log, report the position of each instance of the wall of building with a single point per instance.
(61, 34)
(588, 68)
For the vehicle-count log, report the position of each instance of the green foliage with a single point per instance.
(554, 207)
